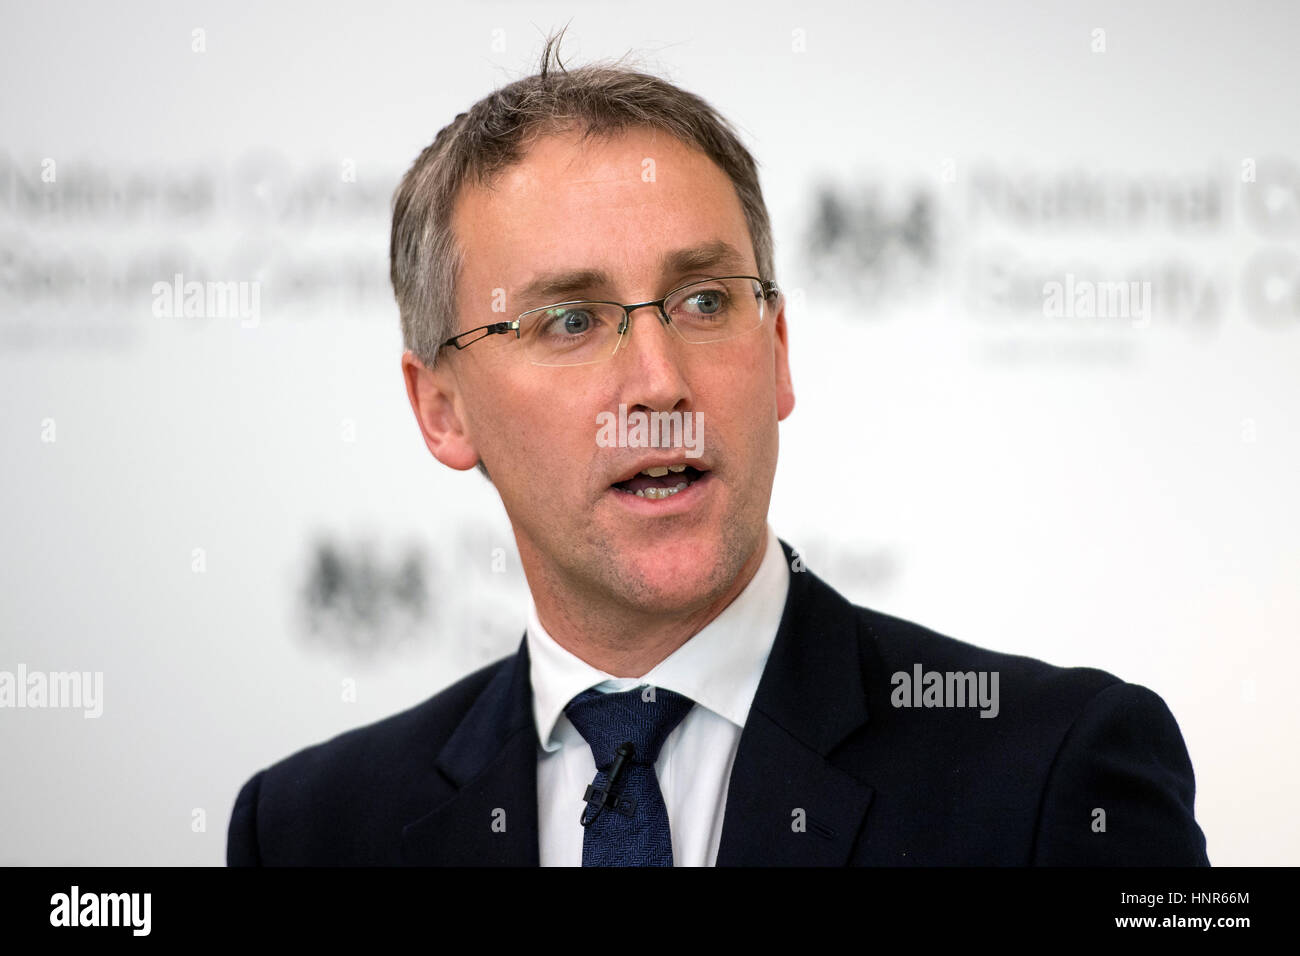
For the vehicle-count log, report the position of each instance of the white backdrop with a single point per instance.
(233, 519)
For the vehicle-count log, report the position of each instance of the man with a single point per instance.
(586, 255)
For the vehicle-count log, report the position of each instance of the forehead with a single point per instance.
(624, 207)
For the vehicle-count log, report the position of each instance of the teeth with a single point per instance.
(660, 470)
(657, 494)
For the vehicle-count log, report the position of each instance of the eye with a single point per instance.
(709, 301)
(569, 322)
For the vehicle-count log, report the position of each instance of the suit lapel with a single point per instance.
(488, 814)
(787, 804)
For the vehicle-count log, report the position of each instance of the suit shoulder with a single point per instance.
(1022, 785)
(899, 645)
(380, 748)
(341, 800)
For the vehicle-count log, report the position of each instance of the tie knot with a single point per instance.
(645, 716)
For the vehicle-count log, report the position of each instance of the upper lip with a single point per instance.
(659, 461)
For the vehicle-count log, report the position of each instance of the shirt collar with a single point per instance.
(719, 667)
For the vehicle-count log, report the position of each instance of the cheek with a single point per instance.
(753, 394)
(537, 437)
(746, 425)
(499, 431)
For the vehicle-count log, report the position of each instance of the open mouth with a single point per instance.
(661, 482)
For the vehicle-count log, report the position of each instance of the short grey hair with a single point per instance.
(599, 100)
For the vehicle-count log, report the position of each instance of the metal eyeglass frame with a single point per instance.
(768, 286)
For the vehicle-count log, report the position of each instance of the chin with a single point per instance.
(672, 597)
(678, 574)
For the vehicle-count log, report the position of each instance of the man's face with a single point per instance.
(571, 206)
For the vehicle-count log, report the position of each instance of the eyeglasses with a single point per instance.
(584, 333)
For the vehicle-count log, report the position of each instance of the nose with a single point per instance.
(658, 379)
(625, 332)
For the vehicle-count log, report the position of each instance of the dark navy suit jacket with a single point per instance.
(828, 771)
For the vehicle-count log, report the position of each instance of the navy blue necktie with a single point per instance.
(627, 824)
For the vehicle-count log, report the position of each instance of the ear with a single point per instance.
(435, 399)
(784, 387)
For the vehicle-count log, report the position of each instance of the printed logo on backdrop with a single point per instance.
(371, 598)
(89, 243)
(1064, 263)
(96, 251)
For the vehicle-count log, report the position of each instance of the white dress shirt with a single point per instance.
(719, 668)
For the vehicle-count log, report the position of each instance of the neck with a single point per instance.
(597, 631)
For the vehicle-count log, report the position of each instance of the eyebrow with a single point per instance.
(552, 287)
